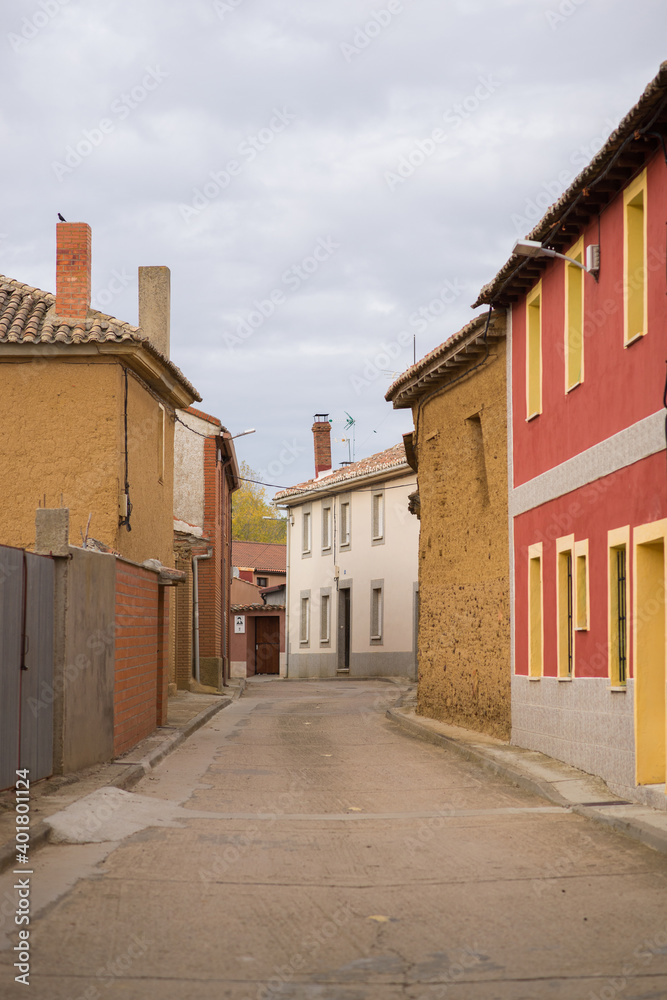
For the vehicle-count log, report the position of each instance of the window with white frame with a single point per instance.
(345, 526)
(325, 618)
(304, 623)
(377, 610)
(307, 532)
(377, 516)
(326, 527)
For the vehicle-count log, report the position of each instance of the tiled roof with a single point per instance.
(239, 608)
(27, 316)
(263, 557)
(392, 458)
(448, 360)
(636, 139)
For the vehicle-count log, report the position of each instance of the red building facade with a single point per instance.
(587, 463)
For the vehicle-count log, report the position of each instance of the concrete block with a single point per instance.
(52, 531)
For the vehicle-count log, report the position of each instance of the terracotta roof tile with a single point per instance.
(27, 316)
(264, 557)
(391, 458)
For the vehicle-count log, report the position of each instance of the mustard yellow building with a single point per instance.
(89, 404)
(457, 394)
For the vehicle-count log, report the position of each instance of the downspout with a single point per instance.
(195, 606)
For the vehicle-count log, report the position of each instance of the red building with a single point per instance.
(205, 476)
(587, 463)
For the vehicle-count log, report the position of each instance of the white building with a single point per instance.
(352, 553)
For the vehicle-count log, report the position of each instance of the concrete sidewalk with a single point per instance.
(187, 712)
(555, 781)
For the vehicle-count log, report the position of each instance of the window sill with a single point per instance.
(618, 689)
(564, 680)
(633, 340)
(576, 385)
(534, 678)
(533, 416)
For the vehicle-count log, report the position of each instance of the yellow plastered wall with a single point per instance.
(463, 641)
(65, 443)
(60, 440)
(151, 476)
(649, 651)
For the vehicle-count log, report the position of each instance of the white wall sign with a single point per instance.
(239, 624)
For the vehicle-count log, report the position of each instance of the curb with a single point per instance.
(39, 834)
(638, 827)
(477, 757)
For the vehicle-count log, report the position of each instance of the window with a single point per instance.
(304, 623)
(574, 318)
(306, 540)
(377, 516)
(534, 353)
(376, 610)
(262, 581)
(634, 259)
(581, 589)
(535, 635)
(617, 603)
(344, 523)
(565, 606)
(325, 618)
(326, 527)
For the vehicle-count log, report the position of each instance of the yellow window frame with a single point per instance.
(574, 318)
(534, 352)
(535, 612)
(635, 275)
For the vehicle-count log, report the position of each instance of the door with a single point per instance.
(649, 620)
(267, 644)
(344, 629)
(26, 664)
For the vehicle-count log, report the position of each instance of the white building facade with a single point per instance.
(352, 593)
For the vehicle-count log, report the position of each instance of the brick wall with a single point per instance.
(140, 676)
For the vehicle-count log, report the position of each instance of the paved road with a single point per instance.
(308, 849)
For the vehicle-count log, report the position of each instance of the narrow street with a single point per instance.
(301, 846)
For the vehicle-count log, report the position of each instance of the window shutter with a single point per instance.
(304, 620)
(324, 619)
(378, 515)
(376, 613)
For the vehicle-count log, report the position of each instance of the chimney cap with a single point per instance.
(321, 418)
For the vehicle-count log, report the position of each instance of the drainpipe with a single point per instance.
(195, 606)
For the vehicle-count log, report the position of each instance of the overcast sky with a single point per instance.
(324, 179)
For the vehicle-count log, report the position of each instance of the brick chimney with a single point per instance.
(73, 259)
(322, 441)
(155, 306)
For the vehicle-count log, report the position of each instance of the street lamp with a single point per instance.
(533, 248)
(242, 434)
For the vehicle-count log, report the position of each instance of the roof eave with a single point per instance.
(345, 485)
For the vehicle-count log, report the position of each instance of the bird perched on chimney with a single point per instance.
(61, 218)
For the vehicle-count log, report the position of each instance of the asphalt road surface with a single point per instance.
(301, 846)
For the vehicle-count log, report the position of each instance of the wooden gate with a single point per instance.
(26, 664)
(267, 644)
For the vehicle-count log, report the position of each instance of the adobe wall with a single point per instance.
(150, 475)
(62, 443)
(464, 634)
